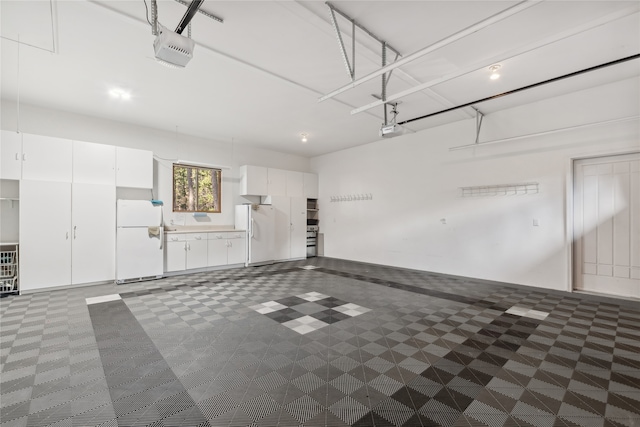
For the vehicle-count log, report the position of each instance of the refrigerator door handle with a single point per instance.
(251, 227)
(161, 238)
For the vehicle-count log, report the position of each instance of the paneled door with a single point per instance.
(607, 225)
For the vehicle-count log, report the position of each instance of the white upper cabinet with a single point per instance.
(262, 181)
(10, 155)
(134, 168)
(310, 185)
(94, 163)
(253, 181)
(277, 182)
(295, 184)
(46, 158)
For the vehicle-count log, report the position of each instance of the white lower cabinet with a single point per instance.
(226, 248)
(67, 233)
(185, 251)
(175, 252)
(196, 250)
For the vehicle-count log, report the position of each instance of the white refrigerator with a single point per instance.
(139, 240)
(260, 223)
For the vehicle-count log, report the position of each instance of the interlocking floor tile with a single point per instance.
(319, 342)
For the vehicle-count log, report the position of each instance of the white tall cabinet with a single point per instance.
(93, 220)
(68, 207)
(290, 227)
(45, 234)
(298, 232)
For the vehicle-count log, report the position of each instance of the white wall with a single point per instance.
(165, 145)
(415, 181)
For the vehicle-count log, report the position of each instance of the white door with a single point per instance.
(94, 163)
(262, 234)
(176, 256)
(93, 214)
(45, 234)
(216, 250)
(236, 251)
(607, 225)
(298, 221)
(282, 242)
(46, 158)
(277, 182)
(295, 184)
(197, 251)
(138, 255)
(311, 185)
(134, 168)
(10, 155)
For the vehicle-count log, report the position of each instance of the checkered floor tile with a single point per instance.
(318, 342)
(309, 312)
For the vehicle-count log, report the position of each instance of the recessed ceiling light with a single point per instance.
(303, 137)
(120, 94)
(494, 71)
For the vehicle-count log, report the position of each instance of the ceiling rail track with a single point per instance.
(435, 46)
(531, 86)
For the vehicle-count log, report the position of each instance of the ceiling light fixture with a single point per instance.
(120, 94)
(303, 137)
(494, 71)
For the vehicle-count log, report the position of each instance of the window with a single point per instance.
(196, 189)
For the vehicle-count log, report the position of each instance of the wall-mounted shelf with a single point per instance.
(500, 190)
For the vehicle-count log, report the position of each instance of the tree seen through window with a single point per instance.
(196, 189)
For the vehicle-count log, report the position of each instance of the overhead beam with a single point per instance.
(205, 13)
(507, 55)
(188, 15)
(438, 45)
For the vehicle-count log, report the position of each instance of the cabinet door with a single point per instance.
(94, 163)
(236, 250)
(176, 257)
(298, 227)
(310, 185)
(46, 158)
(45, 234)
(93, 233)
(10, 155)
(281, 206)
(295, 184)
(253, 181)
(134, 168)
(277, 182)
(217, 249)
(196, 251)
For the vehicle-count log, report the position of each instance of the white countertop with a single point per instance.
(199, 228)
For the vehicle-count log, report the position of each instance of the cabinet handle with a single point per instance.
(198, 238)
(66, 236)
(74, 231)
(17, 156)
(188, 246)
(24, 156)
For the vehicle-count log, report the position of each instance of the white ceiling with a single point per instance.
(256, 78)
